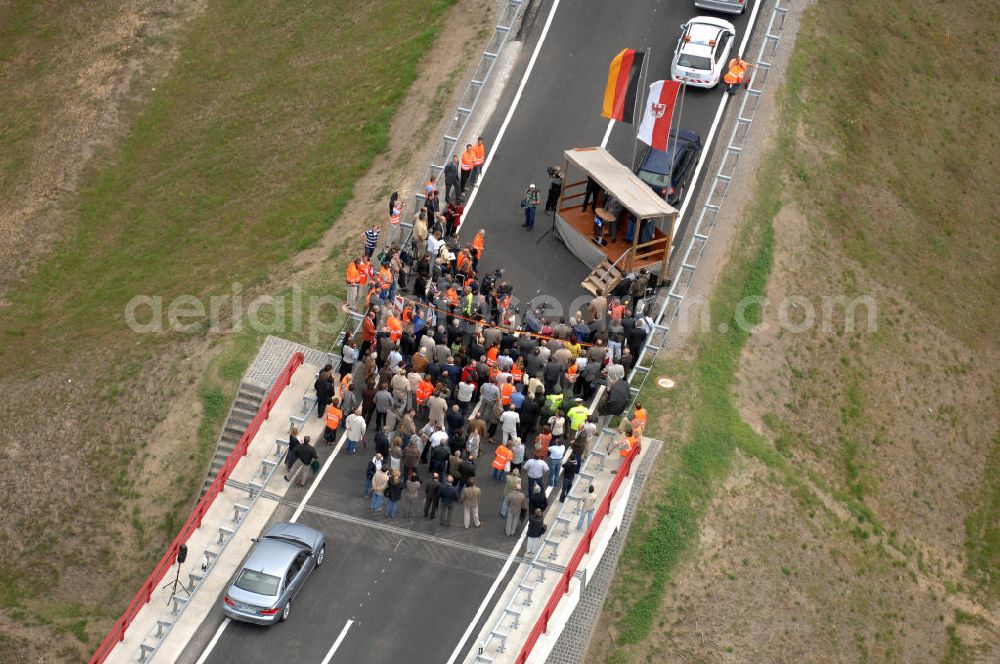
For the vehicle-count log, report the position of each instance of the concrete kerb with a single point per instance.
(207, 536)
(545, 581)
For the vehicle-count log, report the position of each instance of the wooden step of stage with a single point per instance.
(603, 279)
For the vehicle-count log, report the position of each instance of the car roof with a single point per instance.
(272, 556)
(718, 23)
(703, 30)
(696, 49)
(297, 531)
(658, 161)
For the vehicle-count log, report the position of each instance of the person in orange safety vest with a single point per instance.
(365, 268)
(736, 75)
(425, 388)
(623, 443)
(384, 281)
(478, 244)
(468, 163)
(500, 461)
(627, 445)
(479, 154)
(491, 355)
(353, 283)
(506, 390)
(638, 419)
(395, 327)
(333, 417)
(451, 295)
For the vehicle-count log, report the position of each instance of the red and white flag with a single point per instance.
(659, 110)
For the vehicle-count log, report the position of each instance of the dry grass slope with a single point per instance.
(861, 524)
(243, 156)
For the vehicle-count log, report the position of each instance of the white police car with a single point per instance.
(702, 52)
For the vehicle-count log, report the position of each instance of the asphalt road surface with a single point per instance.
(560, 109)
(412, 590)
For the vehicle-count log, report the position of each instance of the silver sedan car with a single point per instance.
(724, 6)
(273, 573)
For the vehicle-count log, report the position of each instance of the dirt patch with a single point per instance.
(70, 107)
(777, 578)
(892, 406)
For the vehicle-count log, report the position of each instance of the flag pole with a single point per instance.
(644, 93)
(674, 126)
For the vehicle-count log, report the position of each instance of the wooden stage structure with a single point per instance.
(599, 238)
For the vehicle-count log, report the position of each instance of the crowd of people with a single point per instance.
(447, 380)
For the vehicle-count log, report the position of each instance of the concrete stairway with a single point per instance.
(248, 400)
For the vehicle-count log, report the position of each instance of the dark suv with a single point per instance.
(654, 169)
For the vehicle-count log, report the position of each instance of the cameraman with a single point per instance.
(555, 188)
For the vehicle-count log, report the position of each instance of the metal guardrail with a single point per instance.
(510, 616)
(145, 594)
(719, 188)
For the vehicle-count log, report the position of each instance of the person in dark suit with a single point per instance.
(432, 494)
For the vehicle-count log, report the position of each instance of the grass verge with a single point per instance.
(982, 528)
(671, 524)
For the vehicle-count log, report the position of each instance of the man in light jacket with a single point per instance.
(356, 428)
(470, 502)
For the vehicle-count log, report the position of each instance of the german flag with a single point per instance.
(623, 85)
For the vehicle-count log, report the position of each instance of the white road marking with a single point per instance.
(510, 111)
(336, 644)
(319, 477)
(215, 639)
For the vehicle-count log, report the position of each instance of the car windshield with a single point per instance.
(257, 582)
(694, 61)
(655, 180)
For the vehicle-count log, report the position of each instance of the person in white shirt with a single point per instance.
(508, 424)
(558, 424)
(557, 450)
(465, 392)
(535, 469)
(434, 244)
(356, 427)
(439, 437)
(395, 357)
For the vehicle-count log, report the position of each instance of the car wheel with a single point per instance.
(321, 555)
(285, 611)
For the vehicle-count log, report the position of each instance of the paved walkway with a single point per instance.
(273, 356)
